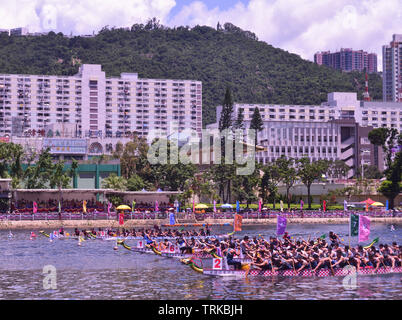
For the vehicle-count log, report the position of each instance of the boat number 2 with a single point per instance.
(217, 263)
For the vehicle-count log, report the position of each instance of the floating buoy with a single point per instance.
(115, 248)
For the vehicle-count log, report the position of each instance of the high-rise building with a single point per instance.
(348, 60)
(90, 105)
(392, 69)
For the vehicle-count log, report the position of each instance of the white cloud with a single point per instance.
(300, 26)
(307, 26)
(80, 16)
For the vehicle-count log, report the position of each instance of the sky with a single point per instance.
(298, 26)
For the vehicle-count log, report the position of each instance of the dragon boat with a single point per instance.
(324, 272)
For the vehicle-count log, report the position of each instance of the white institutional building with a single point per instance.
(335, 130)
(91, 106)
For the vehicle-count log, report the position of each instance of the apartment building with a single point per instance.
(104, 109)
(19, 31)
(348, 60)
(392, 69)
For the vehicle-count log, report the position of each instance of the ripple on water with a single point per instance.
(96, 271)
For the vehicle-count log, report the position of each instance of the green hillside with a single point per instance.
(229, 56)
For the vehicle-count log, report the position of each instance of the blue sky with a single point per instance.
(221, 4)
(299, 26)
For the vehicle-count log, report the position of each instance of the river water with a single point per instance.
(96, 271)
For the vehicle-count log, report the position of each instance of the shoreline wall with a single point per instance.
(81, 224)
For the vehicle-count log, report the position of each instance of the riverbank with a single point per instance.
(138, 223)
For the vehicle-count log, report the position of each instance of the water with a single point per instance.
(96, 271)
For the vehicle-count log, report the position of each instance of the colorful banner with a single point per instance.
(259, 206)
(354, 225)
(367, 205)
(156, 206)
(324, 205)
(121, 218)
(301, 204)
(133, 206)
(214, 206)
(387, 205)
(171, 219)
(59, 206)
(281, 225)
(237, 222)
(237, 206)
(364, 228)
(109, 206)
(345, 205)
(281, 206)
(193, 206)
(35, 207)
(84, 206)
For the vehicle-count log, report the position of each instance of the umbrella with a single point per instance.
(369, 201)
(123, 207)
(377, 204)
(226, 206)
(201, 206)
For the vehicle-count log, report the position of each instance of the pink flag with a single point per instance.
(325, 205)
(364, 229)
(35, 207)
(156, 206)
(214, 206)
(193, 206)
(259, 206)
(109, 205)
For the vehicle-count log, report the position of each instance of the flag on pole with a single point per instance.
(156, 205)
(109, 206)
(386, 205)
(237, 222)
(324, 205)
(371, 244)
(132, 209)
(84, 206)
(281, 225)
(301, 204)
(35, 207)
(259, 206)
(59, 206)
(367, 206)
(364, 228)
(171, 218)
(281, 204)
(214, 206)
(354, 225)
(237, 206)
(345, 205)
(121, 218)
